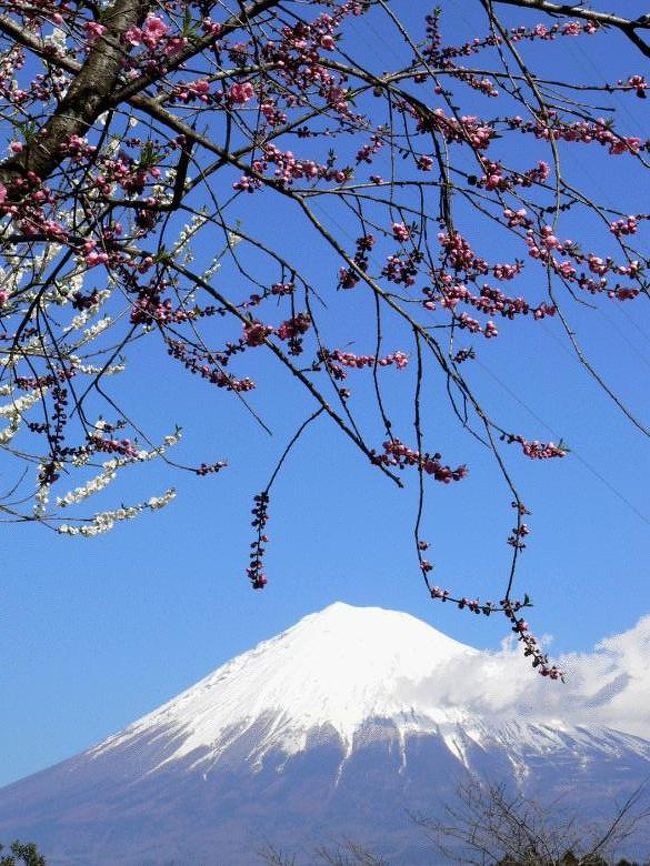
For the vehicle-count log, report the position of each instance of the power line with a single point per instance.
(588, 466)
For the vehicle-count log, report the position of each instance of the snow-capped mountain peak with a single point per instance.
(337, 728)
(336, 669)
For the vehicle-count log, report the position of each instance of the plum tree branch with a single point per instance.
(605, 19)
(86, 99)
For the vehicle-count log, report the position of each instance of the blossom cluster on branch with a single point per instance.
(406, 200)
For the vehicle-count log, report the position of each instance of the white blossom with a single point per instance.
(173, 438)
(157, 502)
(104, 521)
(8, 433)
(57, 39)
(21, 404)
(93, 370)
(110, 469)
(68, 287)
(41, 499)
(188, 231)
(84, 316)
(94, 485)
(31, 347)
(207, 275)
(95, 330)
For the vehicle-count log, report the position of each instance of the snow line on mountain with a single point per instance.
(338, 668)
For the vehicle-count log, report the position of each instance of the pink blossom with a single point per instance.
(150, 34)
(639, 83)
(565, 269)
(133, 36)
(255, 333)
(597, 265)
(94, 31)
(91, 256)
(401, 232)
(240, 93)
(95, 258)
(212, 27)
(572, 28)
(624, 226)
(174, 44)
(548, 238)
(154, 29)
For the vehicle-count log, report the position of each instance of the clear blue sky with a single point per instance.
(96, 632)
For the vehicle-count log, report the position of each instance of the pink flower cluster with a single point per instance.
(516, 218)
(204, 365)
(636, 83)
(77, 148)
(150, 34)
(544, 32)
(518, 533)
(293, 330)
(260, 512)
(490, 301)
(496, 178)
(210, 468)
(509, 608)
(94, 31)
(368, 151)
(348, 278)
(401, 232)
(191, 90)
(290, 168)
(294, 327)
(336, 360)
(240, 93)
(123, 447)
(402, 270)
(466, 322)
(538, 450)
(150, 309)
(543, 246)
(458, 253)
(92, 256)
(597, 131)
(627, 226)
(255, 333)
(400, 455)
(468, 130)
(531, 647)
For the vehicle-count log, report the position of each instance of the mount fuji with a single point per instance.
(338, 728)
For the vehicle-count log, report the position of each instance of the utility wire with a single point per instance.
(588, 466)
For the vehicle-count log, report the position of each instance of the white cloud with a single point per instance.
(608, 686)
(611, 685)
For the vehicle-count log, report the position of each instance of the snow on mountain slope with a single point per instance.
(338, 728)
(337, 668)
(340, 669)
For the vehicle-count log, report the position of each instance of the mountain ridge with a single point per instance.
(311, 654)
(337, 725)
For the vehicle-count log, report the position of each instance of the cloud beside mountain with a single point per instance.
(340, 727)
(608, 686)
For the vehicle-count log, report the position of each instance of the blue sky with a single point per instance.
(96, 632)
